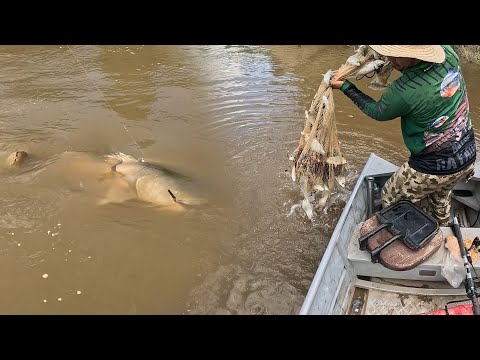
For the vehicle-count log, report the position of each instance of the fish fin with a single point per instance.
(118, 192)
(119, 157)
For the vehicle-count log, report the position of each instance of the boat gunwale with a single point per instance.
(312, 291)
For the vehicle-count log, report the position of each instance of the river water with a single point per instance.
(228, 117)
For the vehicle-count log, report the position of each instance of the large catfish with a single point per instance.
(156, 184)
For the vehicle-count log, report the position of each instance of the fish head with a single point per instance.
(16, 158)
(378, 64)
(130, 171)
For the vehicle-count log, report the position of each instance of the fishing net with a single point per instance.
(319, 165)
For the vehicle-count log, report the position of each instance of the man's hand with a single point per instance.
(336, 84)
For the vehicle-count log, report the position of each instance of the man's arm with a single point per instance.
(390, 106)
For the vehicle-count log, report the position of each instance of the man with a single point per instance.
(431, 99)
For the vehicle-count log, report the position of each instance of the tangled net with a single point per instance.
(319, 165)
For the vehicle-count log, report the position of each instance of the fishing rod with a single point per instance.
(470, 287)
(139, 149)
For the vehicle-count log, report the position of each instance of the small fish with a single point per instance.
(317, 147)
(380, 81)
(353, 60)
(323, 199)
(336, 160)
(310, 118)
(376, 86)
(362, 50)
(307, 207)
(320, 187)
(304, 188)
(293, 208)
(376, 55)
(327, 77)
(370, 67)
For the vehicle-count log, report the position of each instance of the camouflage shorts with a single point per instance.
(431, 192)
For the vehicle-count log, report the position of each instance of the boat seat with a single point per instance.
(427, 270)
(397, 256)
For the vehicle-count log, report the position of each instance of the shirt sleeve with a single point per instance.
(390, 106)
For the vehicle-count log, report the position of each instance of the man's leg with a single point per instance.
(403, 185)
(409, 184)
(439, 201)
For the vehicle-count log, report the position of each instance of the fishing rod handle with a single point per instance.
(463, 251)
(458, 235)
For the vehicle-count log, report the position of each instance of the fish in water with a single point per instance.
(17, 158)
(156, 184)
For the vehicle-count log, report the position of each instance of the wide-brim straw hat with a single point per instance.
(430, 53)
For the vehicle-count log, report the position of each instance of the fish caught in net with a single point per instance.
(319, 166)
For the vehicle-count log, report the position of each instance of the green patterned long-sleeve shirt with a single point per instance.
(431, 100)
